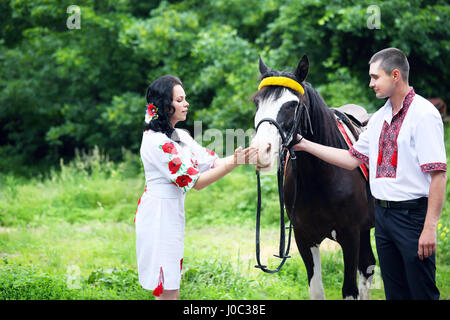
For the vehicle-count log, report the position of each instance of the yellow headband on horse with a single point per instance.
(283, 82)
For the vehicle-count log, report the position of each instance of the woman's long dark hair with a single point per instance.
(160, 94)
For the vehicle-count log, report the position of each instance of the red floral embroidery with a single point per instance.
(175, 165)
(192, 171)
(169, 148)
(433, 166)
(387, 145)
(183, 181)
(359, 155)
(194, 164)
(210, 152)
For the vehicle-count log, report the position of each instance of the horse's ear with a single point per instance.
(263, 69)
(302, 69)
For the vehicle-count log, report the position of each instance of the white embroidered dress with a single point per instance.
(171, 169)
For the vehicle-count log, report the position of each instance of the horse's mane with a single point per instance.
(322, 120)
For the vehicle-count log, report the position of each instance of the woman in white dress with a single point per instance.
(173, 164)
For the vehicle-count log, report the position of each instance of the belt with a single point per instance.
(163, 190)
(407, 204)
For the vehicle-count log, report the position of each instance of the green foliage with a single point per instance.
(226, 206)
(28, 283)
(213, 278)
(24, 283)
(341, 88)
(64, 89)
(76, 192)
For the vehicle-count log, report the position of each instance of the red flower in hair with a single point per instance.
(169, 148)
(151, 110)
(174, 165)
(183, 181)
(151, 113)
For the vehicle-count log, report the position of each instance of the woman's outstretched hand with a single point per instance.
(225, 165)
(245, 156)
(241, 156)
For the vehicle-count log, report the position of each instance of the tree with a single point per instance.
(63, 89)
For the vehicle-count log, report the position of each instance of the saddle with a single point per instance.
(356, 113)
(352, 120)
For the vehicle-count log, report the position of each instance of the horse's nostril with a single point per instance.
(269, 147)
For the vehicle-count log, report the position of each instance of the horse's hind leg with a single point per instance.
(311, 258)
(349, 241)
(366, 265)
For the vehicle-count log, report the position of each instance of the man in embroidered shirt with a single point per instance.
(405, 151)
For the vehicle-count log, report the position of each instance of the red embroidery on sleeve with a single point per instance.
(183, 181)
(359, 155)
(174, 165)
(192, 171)
(435, 166)
(168, 147)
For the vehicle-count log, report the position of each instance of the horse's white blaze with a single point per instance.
(365, 283)
(316, 291)
(270, 107)
(267, 133)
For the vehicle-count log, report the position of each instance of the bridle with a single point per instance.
(287, 142)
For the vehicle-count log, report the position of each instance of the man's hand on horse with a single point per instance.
(300, 144)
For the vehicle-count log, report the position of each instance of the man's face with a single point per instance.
(380, 81)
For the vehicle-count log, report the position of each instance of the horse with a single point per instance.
(331, 202)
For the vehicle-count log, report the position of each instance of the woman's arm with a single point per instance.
(221, 161)
(224, 166)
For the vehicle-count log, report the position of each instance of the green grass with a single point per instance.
(70, 235)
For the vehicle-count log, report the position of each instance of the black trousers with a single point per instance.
(405, 276)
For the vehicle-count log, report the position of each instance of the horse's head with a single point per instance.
(278, 99)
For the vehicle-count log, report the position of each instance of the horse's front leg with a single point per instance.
(349, 241)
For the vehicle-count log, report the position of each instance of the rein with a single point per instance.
(288, 141)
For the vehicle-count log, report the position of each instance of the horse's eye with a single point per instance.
(292, 105)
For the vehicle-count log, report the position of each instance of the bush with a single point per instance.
(90, 187)
(213, 279)
(26, 283)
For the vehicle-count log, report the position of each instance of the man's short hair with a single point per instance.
(392, 58)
